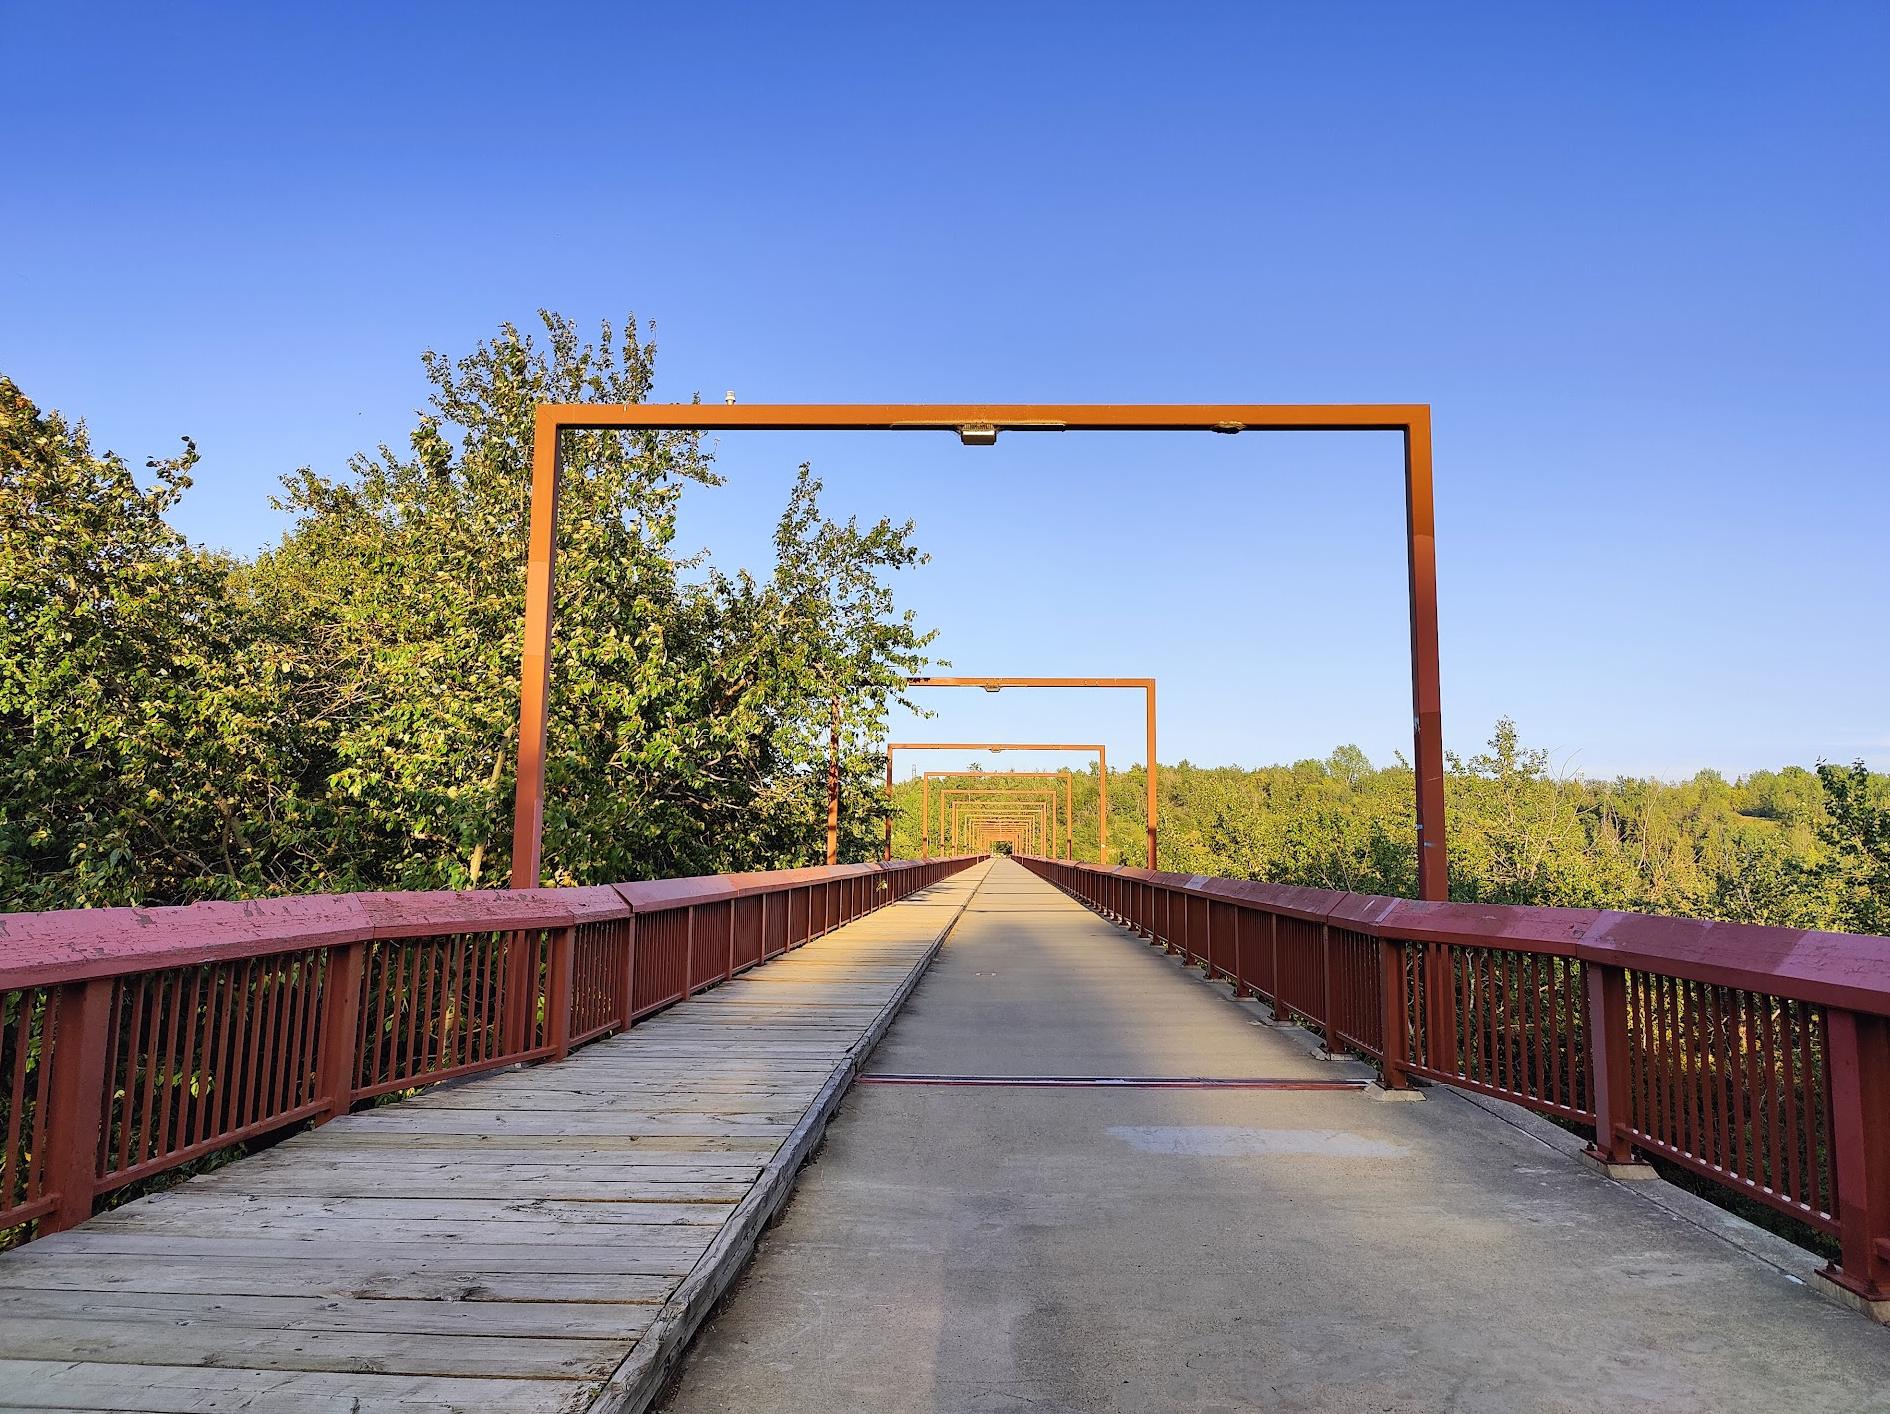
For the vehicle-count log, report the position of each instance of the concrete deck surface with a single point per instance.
(973, 1249)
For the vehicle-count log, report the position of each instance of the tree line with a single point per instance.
(339, 711)
(1797, 847)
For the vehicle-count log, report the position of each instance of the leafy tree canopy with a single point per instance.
(339, 712)
(1792, 847)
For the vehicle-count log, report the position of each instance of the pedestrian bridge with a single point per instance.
(1093, 1139)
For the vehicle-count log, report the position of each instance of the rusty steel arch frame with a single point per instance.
(981, 424)
(993, 835)
(1042, 810)
(974, 836)
(1146, 686)
(1030, 794)
(1065, 775)
(925, 789)
(994, 747)
(965, 829)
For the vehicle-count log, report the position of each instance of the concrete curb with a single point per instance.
(1797, 1264)
(644, 1372)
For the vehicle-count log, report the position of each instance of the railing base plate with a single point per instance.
(1836, 1290)
(1636, 1172)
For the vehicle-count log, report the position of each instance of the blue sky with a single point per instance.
(1634, 256)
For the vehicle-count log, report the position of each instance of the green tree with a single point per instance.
(339, 713)
(1855, 832)
(686, 702)
(1787, 847)
(125, 754)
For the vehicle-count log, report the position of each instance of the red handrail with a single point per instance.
(133, 1040)
(1756, 1057)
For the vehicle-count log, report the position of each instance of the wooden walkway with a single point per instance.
(546, 1239)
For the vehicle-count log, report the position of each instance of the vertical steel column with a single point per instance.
(1151, 776)
(528, 805)
(1427, 729)
(1426, 690)
(833, 790)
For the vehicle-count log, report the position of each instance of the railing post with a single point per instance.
(1857, 1071)
(1606, 1029)
(77, 1099)
(341, 1029)
(1392, 1008)
(558, 991)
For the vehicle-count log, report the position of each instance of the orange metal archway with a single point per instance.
(968, 814)
(973, 777)
(980, 424)
(1146, 686)
(1102, 786)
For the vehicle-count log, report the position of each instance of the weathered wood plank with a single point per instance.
(75, 1385)
(300, 1237)
(522, 1319)
(612, 1122)
(448, 1282)
(245, 1347)
(263, 1213)
(631, 1102)
(645, 1146)
(511, 1182)
(509, 1242)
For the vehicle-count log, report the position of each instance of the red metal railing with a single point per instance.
(135, 1040)
(1758, 1058)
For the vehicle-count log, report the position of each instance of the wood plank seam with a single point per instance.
(641, 1376)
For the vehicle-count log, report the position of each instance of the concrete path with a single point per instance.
(544, 1239)
(967, 1249)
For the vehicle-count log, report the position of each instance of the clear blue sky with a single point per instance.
(1635, 256)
